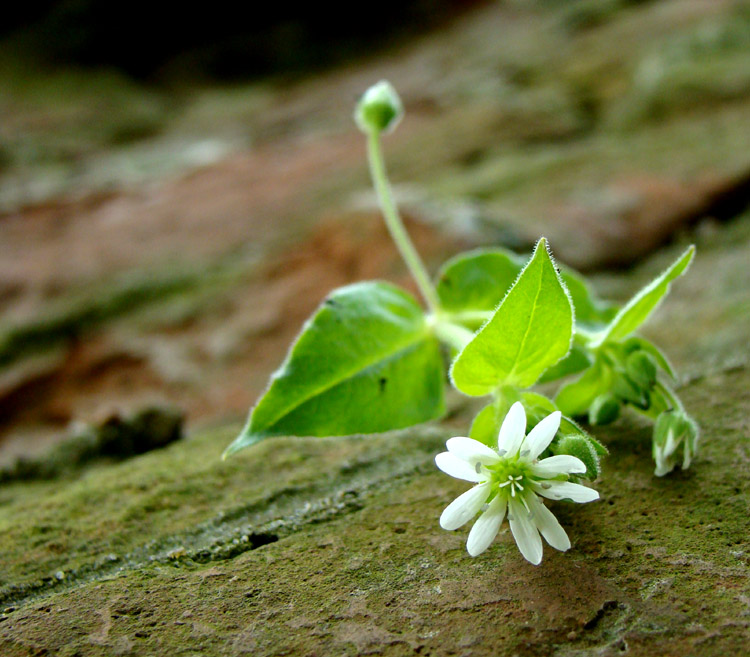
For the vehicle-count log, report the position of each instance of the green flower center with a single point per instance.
(510, 477)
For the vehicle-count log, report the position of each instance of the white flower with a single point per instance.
(509, 480)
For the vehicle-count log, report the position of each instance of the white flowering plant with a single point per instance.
(372, 359)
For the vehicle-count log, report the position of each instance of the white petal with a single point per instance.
(670, 445)
(455, 467)
(525, 532)
(547, 524)
(560, 464)
(542, 434)
(485, 528)
(565, 490)
(662, 464)
(472, 450)
(464, 507)
(512, 430)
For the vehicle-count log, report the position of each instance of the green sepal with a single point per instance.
(628, 390)
(582, 446)
(530, 331)
(605, 409)
(641, 369)
(538, 407)
(365, 362)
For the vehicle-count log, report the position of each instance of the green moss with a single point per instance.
(332, 546)
(658, 565)
(181, 496)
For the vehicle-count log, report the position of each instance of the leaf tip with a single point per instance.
(244, 440)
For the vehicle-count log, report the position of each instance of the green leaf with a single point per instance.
(638, 309)
(365, 362)
(641, 369)
(477, 280)
(530, 331)
(589, 308)
(576, 397)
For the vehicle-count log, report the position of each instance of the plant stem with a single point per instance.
(452, 334)
(395, 225)
(669, 396)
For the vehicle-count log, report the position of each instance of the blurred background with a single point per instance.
(179, 190)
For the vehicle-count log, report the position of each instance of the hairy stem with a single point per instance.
(395, 225)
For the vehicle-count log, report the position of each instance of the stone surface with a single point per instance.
(326, 546)
(176, 261)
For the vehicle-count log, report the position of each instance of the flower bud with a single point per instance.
(380, 109)
(672, 430)
(629, 391)
(641, 368)
(577, 445)
(604, 409)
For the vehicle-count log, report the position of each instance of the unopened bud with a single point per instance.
(673, 429)
(380, 109)
(641, 367)
(577, 445)
(604, 409)
(629, 391)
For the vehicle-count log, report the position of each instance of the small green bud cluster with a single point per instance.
(379, 110)
(632, 373)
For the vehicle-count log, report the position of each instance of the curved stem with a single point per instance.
(470, 316)
(453, 335)
(669, 396)
(395, 225)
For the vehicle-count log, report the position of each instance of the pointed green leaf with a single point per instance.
(638, 309)
(477, 280)
(530, 331)
(365, 362)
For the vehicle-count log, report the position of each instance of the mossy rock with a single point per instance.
(323, 546)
